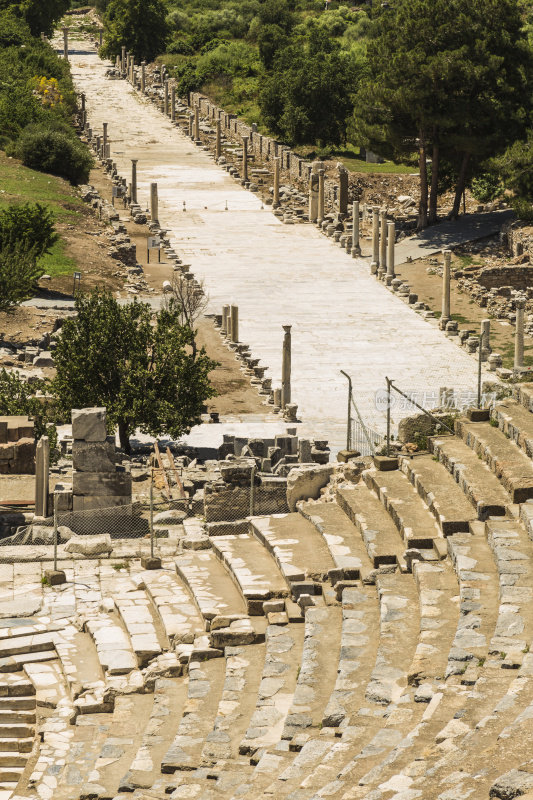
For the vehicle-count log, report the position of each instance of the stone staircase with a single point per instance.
(373, 647)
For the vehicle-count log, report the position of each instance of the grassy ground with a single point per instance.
(352, 161)
(22, 185)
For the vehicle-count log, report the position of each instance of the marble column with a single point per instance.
(165, 99)
(321, 192)
(172, 103)
(275, 195)
(226, 311)
(313, 197)
(375, 241)
(391, 242)
(382, 242)
(123, 60)
(65, 43)
(520, 304)
(134, 180)
(446, 270)
(343, 189)
(286, 367)
(42, 475)
(104, 138)
(197, 123)
(218, 143)
(356, 246)
(154, 203)
(245, 158)
(234, 320)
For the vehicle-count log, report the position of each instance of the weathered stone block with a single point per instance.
(81, 503)
(304, 483)
(90, 545)
(89, 424)
(93, 484)
(94, 456)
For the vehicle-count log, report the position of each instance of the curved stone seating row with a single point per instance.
(299, 553)
(377, 530)
(440, 492)
(318, 671)
(413, 519)
(179, 616)
(512, 467)
(253, 569)
(348, 554)
(205, 683)
(284, 644)
(210, 585)
(480, 486)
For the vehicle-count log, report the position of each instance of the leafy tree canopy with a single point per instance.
(146, 375)
(454, 76)
(306, 98)
(41, 15)
(138, 25)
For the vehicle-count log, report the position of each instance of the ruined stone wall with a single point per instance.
(263, 147)
(224, 501)
(17, 446)
(518, 277)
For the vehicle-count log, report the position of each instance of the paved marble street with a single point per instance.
(342, 317)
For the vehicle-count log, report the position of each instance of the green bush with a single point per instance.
(523, 209)
(55, 151)
(486, 187)
(18, 273)
(31, 225)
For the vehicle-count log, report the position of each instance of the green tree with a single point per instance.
(305, 100)
(146, 375)
(18, 397)
(30, 225)
(450, 78)
(18, 273)
(41, 15)
(138, 25)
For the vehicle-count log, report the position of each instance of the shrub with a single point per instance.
(486, 187)
(31, 225)
(18, 273)
(523, 209)
(55, 151)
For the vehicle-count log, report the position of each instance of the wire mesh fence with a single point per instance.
(148, 525)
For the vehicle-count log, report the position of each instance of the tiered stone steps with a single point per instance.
(237, 703)
(379, 533)
(383, 717)
(298, 550)
(210, 585)
(343, 540)
(512, 467)
(516, 423)
(170, 695)
(253, 569)
(410, 514)
(179, 616)
(17, 727)
(113, 645)
(205, 685)
(318, 671)
(481, 486)
(134, 609)
(440, 493)
(275, 696)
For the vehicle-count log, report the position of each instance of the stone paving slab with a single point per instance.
(277, 274)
